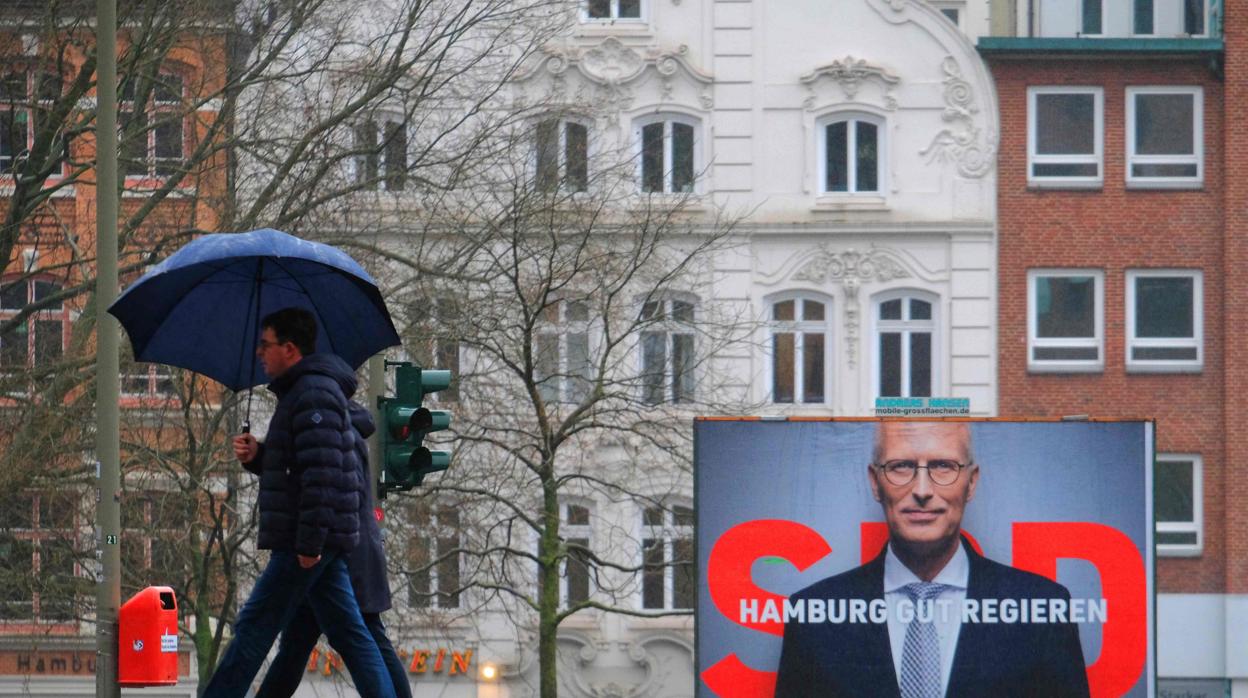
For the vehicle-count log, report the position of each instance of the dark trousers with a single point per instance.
(279, 592)
(300, 637)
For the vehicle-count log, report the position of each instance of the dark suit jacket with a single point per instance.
(991, 660)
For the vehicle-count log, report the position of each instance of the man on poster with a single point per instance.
(933, 642)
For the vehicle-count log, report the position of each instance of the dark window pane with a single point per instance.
(16, 593)
(682, 311)
(1164, 170)
(684, 580)
(1090, 169)
(630, 9)
(577, 311)
(1066, 353)
(1164, 307)
(366, 161)
(168, 89)
(580, 369)
(1143, 17)
(1091, 16)
(782, 310)
(599, 9)
(134, 142)
(448, 572)
(577, 515)
(168, 145)
(1194, 16)
(652, 158)
(49, 343)
(868, 157)
(44, 289)
(1163, 124)
(950, 13)
(682, 367)
(1066, 306)
(812, 310)
(13, 296)
(12, 138)
(15, 347)
(1066, 124)
(652, 574)
(546, 366)
(396, 155)
(782, 371)
(890, 364)
(56, 583)
(1174, 491)
(837, 157)
(1164, 353)
(920, 310)
(653, 363)
(1176, 538)
(547, 155)
(682, 157)
(920, 364)
(16, 511)
(652, 310)
(682, 516)
(57, 509)
(812, 367)
(576, 156)
(652, 516)
(890, 310)
(577, 571)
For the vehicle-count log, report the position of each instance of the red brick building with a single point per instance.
(1118, 274)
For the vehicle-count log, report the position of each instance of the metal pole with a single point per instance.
(107, 388)
(376, 388)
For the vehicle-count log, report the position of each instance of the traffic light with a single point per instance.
(405, 458)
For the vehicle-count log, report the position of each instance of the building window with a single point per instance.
(953, 14)
(1142, 17)
(905, 329)
(1065, 317)
(1064, 135)
(562, 156)
(37, 557)
(381, 154)
(25, 100)
(154, 541)
(1194, 17)
(1093, 18)
(799, 339)
(574, 584)
(153, 144)
(1164, 136)
(40, 339)
(433, 573)
(562, 365)
(433, 339)
(1165, 320)
(1178, 504)
(668, 578)
(667, 155)
(612, 9)
(143, 379)
(850, 155)
(667, 358)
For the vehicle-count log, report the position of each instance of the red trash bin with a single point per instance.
(147, 638)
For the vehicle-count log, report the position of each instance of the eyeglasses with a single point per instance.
(265, 344)
(903, 472)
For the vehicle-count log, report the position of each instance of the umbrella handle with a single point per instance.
(246, 427)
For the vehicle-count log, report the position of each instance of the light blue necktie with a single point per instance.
(920, 655)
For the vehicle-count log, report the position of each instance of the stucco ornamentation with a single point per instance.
(973, 149)
(830, 266)
(850, 73)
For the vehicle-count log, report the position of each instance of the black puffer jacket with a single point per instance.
(367, 563)
(310, 484)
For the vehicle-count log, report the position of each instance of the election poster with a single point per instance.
(956, 557)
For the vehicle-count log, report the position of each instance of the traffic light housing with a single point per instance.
(406, 422)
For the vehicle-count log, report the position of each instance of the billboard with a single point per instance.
(1038, 536)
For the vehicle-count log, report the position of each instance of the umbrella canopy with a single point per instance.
(200, 309)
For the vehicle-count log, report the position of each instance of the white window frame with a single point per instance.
(381, 124)
(670, 328)
(668, 532)
(561, 331)
(851, 142)
(561, 155)
(905, 326)
(1098, 340)
(1198, 320)
(1097, 158)
(61, 314)
(569, 531)
(667, 119)
(615, 14)
(1197, 525)
(799, 328)
(1197, 158)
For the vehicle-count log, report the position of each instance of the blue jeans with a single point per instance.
(279, 591)
(300, 637)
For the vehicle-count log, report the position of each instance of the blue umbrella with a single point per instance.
(200, 309)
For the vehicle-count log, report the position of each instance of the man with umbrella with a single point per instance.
(310, 490)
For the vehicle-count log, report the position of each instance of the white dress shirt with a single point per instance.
(947, 609)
